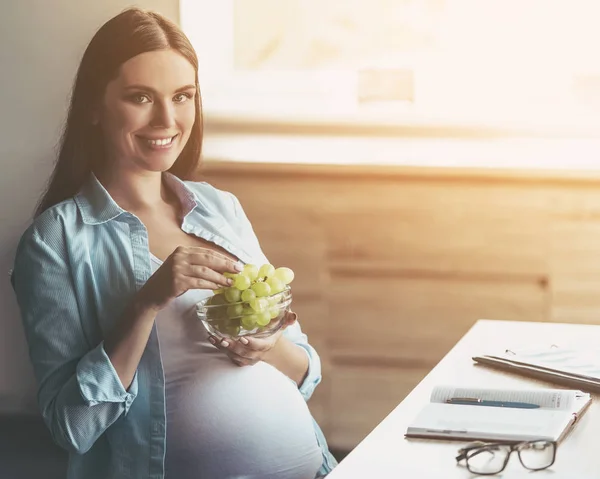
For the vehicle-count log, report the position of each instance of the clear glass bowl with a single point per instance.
(234, 320)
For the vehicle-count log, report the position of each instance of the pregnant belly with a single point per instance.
(225, 421)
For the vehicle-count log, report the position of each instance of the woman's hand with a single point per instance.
(248, 351)
(188, 267)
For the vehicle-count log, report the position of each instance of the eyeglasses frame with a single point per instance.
(464, 454)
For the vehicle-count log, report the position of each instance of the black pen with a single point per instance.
(485, 402)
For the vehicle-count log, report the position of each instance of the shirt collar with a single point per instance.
(97, 206)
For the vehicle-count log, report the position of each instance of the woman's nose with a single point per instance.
(163, 115)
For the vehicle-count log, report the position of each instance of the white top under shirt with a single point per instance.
(226, 421)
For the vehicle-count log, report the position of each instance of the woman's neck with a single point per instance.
(136, 193)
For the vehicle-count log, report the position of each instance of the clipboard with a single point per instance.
(551, 363)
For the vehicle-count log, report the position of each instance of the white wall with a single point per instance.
(41, 43)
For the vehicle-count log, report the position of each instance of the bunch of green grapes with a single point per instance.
(251, 302)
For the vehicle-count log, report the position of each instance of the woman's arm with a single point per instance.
(293, 334)
(72, 374)
(126, 342)
(186, 268)
(289, 359)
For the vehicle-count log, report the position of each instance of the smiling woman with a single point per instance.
(122, 247)
(113, 62)
(146, 115)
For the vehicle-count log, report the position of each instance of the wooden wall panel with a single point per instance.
(575, 301)
(575, 256)
(418, 320)
(263, 195)
(440, 227)
(361, 397)
(575, 285)
(296, 241)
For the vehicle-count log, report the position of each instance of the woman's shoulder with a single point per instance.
(53, 223)
(46, 236)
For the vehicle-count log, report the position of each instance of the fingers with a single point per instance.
(204, 267)
(206, 274)
(228, 348)
(246, 351)
(196, 283)
(290, 318)
(254, 344)
(237, 351)
(214, 260)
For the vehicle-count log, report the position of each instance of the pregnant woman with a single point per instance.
(121, 249)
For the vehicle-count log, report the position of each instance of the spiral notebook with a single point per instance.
(499, 414)
(570, 366)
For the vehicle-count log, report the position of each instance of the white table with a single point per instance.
(386, 453)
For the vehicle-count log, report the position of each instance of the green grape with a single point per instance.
(232, 295)
(234, 310)
(259, 304)
(241, 282)
(232, 327)
(220, 326)
(266, 270)
(250, 270)
(249, 321)
(229, 275)
(216, 300)
(261, 289)
(273, 300)
(248, 294)
(232, 330)
(219, 291)
(246, 309)
(277, 286)
(263, 318)
(274, 312)
(286, 275)
(216, 313)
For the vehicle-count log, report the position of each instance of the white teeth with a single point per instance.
(161, 142)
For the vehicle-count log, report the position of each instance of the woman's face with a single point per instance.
(148, 111)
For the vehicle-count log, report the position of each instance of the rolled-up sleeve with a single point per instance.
(99, 382)
(79, 392)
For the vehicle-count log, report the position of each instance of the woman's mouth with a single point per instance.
(158, 143)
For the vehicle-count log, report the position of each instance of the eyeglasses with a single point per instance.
(487, 458)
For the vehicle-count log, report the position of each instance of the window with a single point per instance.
(523, 63)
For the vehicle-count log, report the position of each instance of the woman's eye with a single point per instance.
(182, 97)
(139, 98)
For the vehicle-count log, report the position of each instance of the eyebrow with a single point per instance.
(152, 90)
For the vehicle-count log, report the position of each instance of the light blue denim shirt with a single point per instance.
(76, 268)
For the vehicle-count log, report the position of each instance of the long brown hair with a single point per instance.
(81, 148)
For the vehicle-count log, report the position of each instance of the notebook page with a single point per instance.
(547, 398)
(480, 422)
